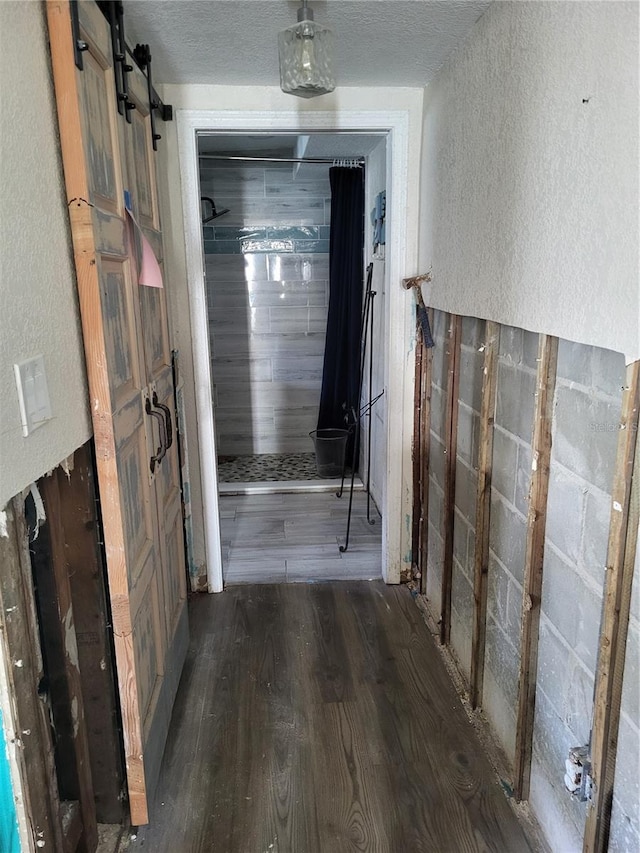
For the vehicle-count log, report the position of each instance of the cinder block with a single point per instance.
(434, 569)
(595, 534)
(572, 607)
(625, 818)
(504, 601)
(439, 365)
(563, 815)
(608, 372)
(438, 398)
(503, 660)
(565, 681)
(574, 362)
(510, 344)
(505, 463)
(598, 369)
(460, 540)
(471, 551)
(515, 400)
(471, 373)
(435, 505)
(472, 332)
(565, 511)
(507, 536)
(436, 460)
(585, 435)
(466, 490)
(439, 326)
(523, 478)
(530, 349)
(500, 713)
(462, 596)
(468, 435)
(631, 681)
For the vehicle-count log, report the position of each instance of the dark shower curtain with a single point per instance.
(341, 369)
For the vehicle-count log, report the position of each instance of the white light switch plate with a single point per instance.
(33, 392)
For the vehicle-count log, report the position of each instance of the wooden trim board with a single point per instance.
(621, 554)
(483, 510)
(534, 555)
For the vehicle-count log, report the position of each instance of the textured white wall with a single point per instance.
(529, 195)
(38, 309)
(253, 98)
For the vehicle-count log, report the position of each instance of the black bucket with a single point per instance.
(330, 446)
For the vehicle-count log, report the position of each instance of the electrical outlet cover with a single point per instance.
(33, 393)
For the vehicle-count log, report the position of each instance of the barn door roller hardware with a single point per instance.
(79, 45)
(114, 13)
(142, 55)
(123, 56)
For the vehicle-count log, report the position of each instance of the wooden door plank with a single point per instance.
(621, 555)
(483, 510)
(534, 556)
(425, 467)
(451, 449)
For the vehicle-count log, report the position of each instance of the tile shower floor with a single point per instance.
(295, 538)
(267, 467)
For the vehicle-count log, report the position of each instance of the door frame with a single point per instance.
(393, 123)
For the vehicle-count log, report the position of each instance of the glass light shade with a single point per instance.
(306, 60)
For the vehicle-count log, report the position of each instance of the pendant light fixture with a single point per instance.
(306, 57)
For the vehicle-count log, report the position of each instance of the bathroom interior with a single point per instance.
(266, 206)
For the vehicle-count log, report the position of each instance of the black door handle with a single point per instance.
(167, 418)
(160, 452)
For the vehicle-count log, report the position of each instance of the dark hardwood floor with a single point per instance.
(319, 718)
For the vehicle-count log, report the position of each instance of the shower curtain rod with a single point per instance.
(356, 162)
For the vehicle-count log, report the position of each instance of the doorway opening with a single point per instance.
(266, 206)
(394, 127)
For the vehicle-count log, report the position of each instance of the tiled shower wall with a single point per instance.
(586, 413)
(267, 269)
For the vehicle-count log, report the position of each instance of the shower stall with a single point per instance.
(266, 221)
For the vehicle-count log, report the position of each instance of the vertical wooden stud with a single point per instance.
(621, 554)
(69, 648)
(416, 452)
(532, 586)
(451, 446)
(483, 510)
(425, 450)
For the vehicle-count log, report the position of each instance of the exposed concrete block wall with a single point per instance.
(585, 430)
(585, 433)
(625, 820)
(469, 400)
(436, 461)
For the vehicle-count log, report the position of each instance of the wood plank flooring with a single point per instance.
(294, 537)
(319, 718)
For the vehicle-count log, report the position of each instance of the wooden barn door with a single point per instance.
(128, 362)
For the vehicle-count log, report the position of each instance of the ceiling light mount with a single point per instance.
(306, 57)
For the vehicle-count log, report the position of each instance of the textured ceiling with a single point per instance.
(234, 42)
